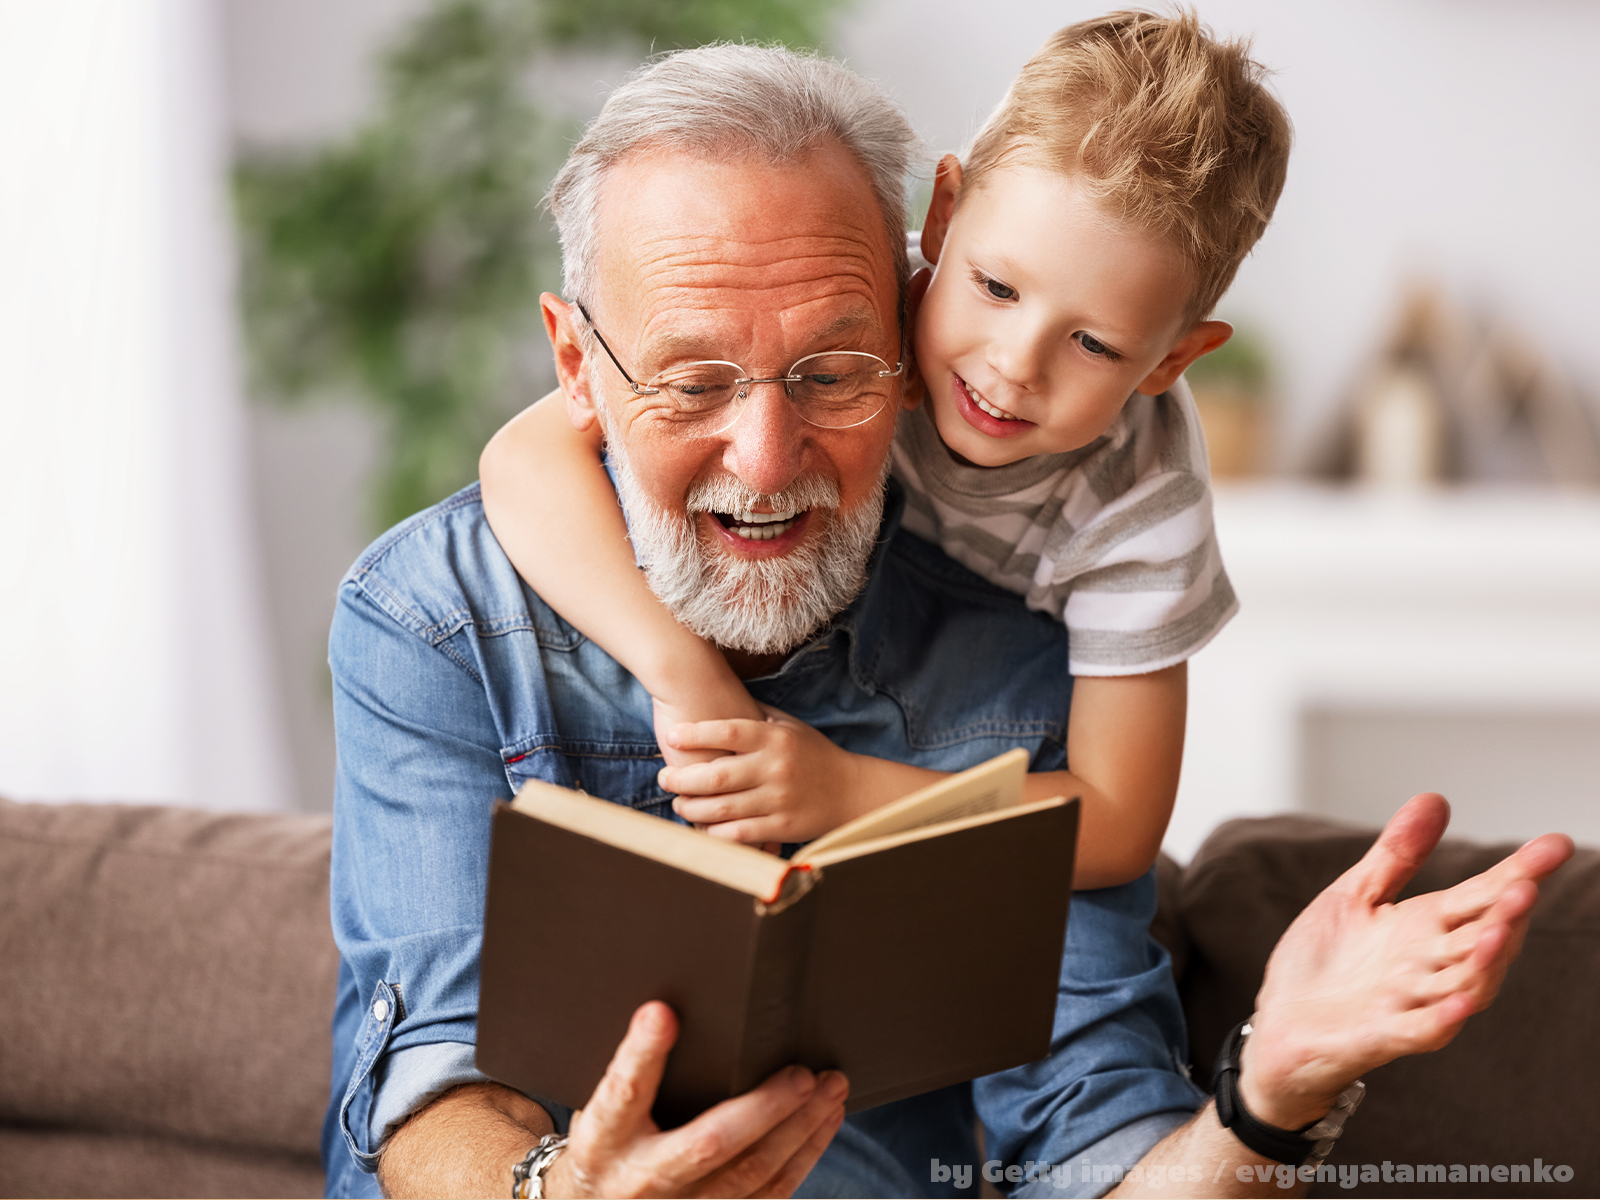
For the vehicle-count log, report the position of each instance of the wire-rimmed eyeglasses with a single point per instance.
(837, 389)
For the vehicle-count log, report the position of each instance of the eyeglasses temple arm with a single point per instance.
(638, 388)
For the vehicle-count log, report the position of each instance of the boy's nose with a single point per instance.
(1018, 361)
(765, 444)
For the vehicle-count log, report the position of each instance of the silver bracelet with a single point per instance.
(527, 1177)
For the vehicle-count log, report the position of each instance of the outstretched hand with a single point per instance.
(1358, 980)
(762, 1143)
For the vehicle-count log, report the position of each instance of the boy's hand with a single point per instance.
(733, 702)
(778, 780)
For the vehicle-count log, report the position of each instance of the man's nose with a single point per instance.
(765, 443)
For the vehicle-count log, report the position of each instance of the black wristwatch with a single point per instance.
(1307, 1147)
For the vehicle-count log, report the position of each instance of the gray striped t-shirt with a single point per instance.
(1114, 539)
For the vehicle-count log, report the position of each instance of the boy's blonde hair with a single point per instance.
(1172, 130)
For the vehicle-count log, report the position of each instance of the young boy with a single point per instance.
(1100, 215)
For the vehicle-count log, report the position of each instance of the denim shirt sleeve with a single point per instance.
(1119, 1044)
(419, 770)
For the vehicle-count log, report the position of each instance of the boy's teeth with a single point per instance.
(994, 412)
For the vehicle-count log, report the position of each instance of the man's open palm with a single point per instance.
(1358, 980)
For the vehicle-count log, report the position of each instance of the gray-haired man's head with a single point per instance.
(744, 205)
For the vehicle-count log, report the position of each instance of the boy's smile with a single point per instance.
(1044, 315)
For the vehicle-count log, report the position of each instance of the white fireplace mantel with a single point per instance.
(1453, 601)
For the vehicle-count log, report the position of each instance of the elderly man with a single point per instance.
(745, 205)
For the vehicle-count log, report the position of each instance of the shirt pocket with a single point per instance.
(622, 772)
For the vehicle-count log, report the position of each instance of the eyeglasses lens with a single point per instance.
(835, 390)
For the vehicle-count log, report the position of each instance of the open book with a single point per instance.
(916, 946)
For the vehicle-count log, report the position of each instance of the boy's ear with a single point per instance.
(946, 187)
(915, 387)
(1202, 339)
(568, 347)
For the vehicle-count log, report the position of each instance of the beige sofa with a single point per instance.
(167, 980)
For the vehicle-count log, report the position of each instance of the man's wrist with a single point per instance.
(1271, 1097)
(529, 1177)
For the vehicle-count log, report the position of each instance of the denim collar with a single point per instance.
(859, 627)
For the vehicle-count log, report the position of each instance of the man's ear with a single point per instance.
(1202, 339)
(572, 379)
(946, 187)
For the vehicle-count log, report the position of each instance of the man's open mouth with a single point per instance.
(759, 527)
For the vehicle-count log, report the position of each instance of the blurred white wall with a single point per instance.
(135, 664)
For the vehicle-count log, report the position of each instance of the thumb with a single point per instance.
(621, 1103)
(1401, 849)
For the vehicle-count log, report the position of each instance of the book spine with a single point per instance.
(772, 1019)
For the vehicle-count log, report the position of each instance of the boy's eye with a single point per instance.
(1000, 291)
(1096, 347)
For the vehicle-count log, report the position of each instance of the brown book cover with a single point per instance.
(917, 947)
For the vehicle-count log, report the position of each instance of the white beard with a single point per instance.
(765, 605)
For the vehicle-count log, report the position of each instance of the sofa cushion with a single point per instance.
(73, 1163)
(194, 995)
(1517, 1084)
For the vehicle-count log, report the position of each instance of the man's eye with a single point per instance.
(1096, 347)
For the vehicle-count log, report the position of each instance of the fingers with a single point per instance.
(621, 1101)
(1402, 847)
(729, 774)
(1532, 864)
(777, 1163)
(696, 1157)
(735, 735)
(764, 833)
(715, 809)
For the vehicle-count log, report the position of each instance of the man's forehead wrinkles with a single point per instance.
(720, 288)
(673, 327)
(755, 249)
(699, 271)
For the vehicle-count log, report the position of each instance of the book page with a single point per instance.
(820, 859)
(985, 788)
(729, 863)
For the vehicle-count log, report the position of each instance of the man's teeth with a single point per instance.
(762, 527)
(997, 414)
(755, 518)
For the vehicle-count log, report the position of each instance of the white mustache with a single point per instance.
(725, 494)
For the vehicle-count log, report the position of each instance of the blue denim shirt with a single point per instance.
(454, 683)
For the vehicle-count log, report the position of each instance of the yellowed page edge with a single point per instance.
(930, 805)
(872, 845)
(732, 864)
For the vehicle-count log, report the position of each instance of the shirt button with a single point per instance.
(380, 1009)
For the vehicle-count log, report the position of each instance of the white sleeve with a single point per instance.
(1131, 563)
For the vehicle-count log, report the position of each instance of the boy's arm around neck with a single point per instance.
(551, 506)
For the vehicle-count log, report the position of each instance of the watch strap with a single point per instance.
(1296, 1147)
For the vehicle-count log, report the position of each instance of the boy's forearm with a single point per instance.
(555, 513)
(1125, 748)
